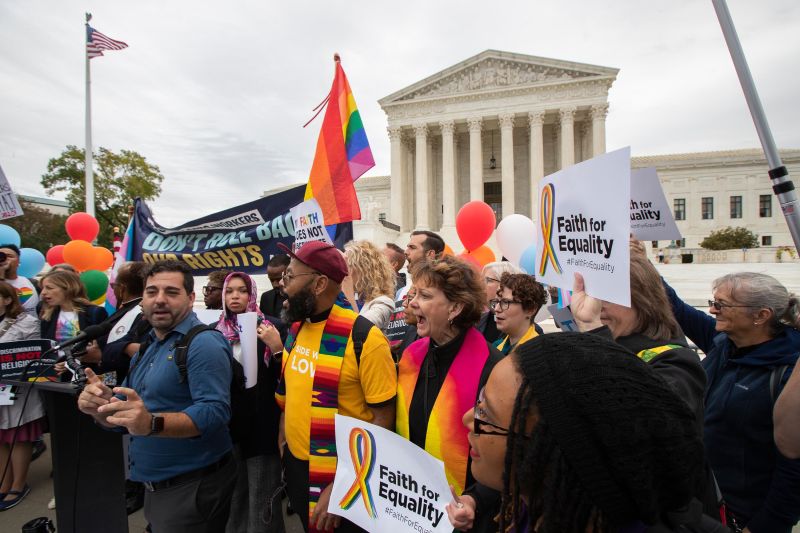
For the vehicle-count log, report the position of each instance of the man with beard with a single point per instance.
(362, 387)
(181, 447)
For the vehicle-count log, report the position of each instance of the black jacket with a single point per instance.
(271, 303)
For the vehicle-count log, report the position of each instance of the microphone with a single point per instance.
(89, 334)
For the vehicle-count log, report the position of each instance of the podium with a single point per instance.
(88, 466)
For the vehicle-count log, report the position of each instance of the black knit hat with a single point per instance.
(632, 442)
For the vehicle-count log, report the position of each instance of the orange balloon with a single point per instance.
(102, 258)
(483, 254)
(470, 260)
(448, 251)
(79, 254)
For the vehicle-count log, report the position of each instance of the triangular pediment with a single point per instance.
(494, 70)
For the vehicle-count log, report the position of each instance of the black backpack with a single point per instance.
(359, 333)
(239, 403)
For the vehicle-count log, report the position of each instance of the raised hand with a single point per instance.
(585, 308)
(461, 511)
(95, 394)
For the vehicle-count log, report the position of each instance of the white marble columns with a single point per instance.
(448, 174)
(536, 136)
(421, 175)
(475, 125)
(507, 162)
(429, 178)
(567, 116)
(599, 113)
(397, 189)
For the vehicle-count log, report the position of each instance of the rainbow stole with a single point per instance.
(325, 399)
(446, 436)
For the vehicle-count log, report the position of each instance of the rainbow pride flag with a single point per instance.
(342, 156)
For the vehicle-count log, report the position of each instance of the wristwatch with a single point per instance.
(156, 425)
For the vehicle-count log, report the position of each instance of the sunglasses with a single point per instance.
(479, 425)
(208, 289)
(719, 305)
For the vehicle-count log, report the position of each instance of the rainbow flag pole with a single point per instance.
(342, 155)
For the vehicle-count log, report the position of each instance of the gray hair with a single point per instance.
(763, 292)
(501, 267)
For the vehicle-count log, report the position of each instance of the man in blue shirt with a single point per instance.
(180, 446)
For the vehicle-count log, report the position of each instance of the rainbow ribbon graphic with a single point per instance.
(363, 454)
(546, 213)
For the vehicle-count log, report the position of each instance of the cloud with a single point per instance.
(216, 95)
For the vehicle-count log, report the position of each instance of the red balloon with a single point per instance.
(475, 223)
(82, 227)
(55, 255)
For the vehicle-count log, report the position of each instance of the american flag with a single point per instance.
(96, 42)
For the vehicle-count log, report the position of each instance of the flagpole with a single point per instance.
(782, 185)
(88, 150)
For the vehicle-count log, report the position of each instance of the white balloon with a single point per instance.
(515, 234)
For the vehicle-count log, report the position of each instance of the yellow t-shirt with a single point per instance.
(373, 381)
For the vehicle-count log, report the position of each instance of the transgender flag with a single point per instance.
(342, 156)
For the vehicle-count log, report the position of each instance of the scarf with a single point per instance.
(446, 436)
(228, 324)
(324, 399)
(504, 345)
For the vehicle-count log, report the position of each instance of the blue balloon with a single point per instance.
(31, 262)
(527, 260)
(9, 235)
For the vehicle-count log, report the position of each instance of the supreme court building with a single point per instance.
(490, 127)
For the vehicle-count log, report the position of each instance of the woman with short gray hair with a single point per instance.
(752, 342)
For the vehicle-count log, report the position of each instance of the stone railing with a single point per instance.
(766, 254)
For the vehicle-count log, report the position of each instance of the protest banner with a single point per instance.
(309, 224)
(385, 483)
(584, 226)
(9, 205)
(651, 217)
(15, 356)
(241, 238)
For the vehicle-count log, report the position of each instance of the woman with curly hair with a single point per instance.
(581, 436)
(371, 282)
(440, 374)
(518, 300)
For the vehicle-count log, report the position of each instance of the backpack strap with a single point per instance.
(651, 353)
(361, 329)
(182, 348)
(775, 380)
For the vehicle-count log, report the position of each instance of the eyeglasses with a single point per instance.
(208, 289)
(287, 278)
(488, 280)
(479, 425)
(719, 305)
(502, 304)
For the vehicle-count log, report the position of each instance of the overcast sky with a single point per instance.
(216, 97)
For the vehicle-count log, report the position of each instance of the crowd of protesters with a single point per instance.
(621, 427)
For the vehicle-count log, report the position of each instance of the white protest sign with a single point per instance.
(651, 217)
(9, 205)
(248, 341)
(124, 324)
(584, 226)
(385, 483)
(309, 224)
